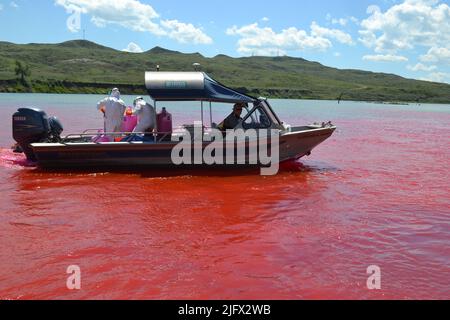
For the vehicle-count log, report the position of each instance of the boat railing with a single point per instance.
(93, 130)
(96, 134)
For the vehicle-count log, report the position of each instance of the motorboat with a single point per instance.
(39, 136)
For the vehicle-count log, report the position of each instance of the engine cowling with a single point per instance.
(32, 125)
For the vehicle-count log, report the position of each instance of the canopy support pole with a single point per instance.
(202, 111)
(210, 114)
(203, 132)
(156, 120)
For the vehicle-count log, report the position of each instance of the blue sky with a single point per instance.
(407, 37)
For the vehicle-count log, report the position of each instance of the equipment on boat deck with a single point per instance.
(165, 123)
(129, 121)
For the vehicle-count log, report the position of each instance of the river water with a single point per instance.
(376, 193)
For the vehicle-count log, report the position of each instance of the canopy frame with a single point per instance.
(191, 86)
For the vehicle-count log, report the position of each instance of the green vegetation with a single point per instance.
(86, 67)
(22, 71)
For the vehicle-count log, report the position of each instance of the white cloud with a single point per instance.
(264, 41)
(130, 14)
(133, 48)
(410, 28)
(437, 77)
(354, 20)
(185, 32)
(11, 4)
(343, 22)
(136, 16)
(436, 54)
(340, 36)
(421, 67)
(407, 25)
(265, 19)
(385, 58)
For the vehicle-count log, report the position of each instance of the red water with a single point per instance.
(376, 193)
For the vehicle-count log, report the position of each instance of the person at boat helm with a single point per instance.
(113, 109)
(234, 119)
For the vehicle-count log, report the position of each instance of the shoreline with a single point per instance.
(86, 88)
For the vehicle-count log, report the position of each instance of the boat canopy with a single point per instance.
(190, 86)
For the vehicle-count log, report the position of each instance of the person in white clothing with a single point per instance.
(113, 109)
(146, 114)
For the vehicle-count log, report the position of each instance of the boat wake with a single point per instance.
(295, 166)
(292, 166)
(10, 159)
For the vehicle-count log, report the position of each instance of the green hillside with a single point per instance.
(86, 67)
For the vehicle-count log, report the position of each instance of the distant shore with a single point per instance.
(74, 87)
(67, 87)
(85, 67)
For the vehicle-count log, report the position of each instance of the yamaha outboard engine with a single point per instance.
(55, 128)
(32, 126)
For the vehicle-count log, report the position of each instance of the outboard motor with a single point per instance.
(56, 128)
(33, 125)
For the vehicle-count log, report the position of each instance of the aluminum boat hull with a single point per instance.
(130, 155)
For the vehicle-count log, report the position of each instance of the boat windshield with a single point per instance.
(257, 119)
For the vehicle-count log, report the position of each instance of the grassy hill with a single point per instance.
(86, 67)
